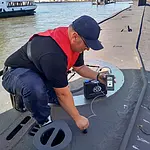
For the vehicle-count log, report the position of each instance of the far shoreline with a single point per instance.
(61, 2)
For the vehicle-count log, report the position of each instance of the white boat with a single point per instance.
(12, 8)
(102, 2)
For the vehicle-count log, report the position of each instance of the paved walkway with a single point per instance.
(119, 44)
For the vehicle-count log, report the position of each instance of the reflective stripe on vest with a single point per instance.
(60, 35)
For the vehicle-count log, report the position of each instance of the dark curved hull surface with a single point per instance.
(17, 13)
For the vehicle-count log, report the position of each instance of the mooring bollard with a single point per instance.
(55, 136)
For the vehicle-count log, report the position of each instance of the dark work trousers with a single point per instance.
(35, 92)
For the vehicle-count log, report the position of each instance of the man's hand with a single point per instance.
(102, 75)
(66, 101)
(102, 78)
(82, 122)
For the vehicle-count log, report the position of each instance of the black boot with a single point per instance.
(17, 103)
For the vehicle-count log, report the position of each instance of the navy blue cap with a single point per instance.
(88, 29)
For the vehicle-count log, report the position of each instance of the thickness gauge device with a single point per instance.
(93, 88)
(110, 82)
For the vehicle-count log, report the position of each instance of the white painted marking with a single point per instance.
(135, 147)
(146, 121)
(142, 140)
(125, 106)
(144, 107)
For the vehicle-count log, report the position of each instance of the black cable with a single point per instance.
(93, 66)
(76, 90)
(143, 130)
(72, 76)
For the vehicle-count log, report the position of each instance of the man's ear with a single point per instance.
(74, 36)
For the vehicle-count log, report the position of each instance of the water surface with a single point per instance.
(14, 32)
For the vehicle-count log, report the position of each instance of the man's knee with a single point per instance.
(34, 91)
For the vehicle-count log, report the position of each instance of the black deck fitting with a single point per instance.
(54, 136)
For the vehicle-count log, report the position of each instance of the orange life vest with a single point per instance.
(60, 35)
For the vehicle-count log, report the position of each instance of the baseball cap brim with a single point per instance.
(94, 44)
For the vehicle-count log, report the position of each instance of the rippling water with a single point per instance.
(15, 31)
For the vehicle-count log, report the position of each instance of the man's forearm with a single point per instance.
(66, 101)
(86, 72)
